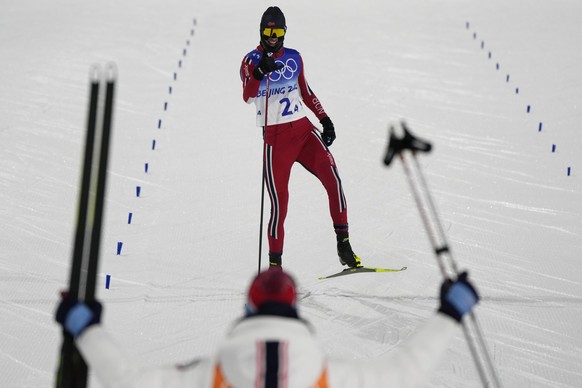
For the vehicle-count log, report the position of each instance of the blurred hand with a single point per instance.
(75, 316)
(458, 297)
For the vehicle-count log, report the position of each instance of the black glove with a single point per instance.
(266, 65)
(458, 297)
(328, 135)
(75, 316)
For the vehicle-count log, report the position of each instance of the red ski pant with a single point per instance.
(285, 144)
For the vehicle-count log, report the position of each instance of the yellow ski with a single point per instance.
(361, 269)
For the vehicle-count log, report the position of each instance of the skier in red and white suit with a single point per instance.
(289, 135)
(272, 347)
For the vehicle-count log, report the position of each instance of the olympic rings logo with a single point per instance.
(289, 69)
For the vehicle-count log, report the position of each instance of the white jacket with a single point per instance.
(288, 346)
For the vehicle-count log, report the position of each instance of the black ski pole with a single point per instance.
(433, 226)
(72, 371)
(110, 76)
(264, 172)
(440, 249)
(72, 368)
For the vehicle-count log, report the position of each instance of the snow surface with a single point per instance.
(511, 211)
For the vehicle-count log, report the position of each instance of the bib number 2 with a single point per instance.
(287, 108)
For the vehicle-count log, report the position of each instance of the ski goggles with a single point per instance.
(271, 32)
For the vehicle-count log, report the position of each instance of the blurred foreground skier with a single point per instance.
(289, 136)
(271, 346)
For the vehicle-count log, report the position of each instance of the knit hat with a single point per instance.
(273, 18)
(272, 285)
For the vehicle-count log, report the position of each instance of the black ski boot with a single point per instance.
(275, 259)
(345, 252)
